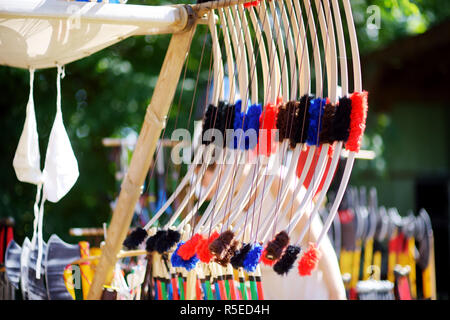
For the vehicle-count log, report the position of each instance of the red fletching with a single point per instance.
(265, 260)
(251, 4)
(331, 150)
(187, 250)
(213, 236)
(358, 118)
(267, 129)
(309, 260)
(203, 252)
(346, 216)
(202, 248)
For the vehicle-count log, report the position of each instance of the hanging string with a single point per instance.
(205, 103)
(36, 214)
(179, 110)
(176, 119)
(39, 185)
(60, 75)
(257, 159)
(304, 114)
(158, 150)
(293, 115)
(197, 176)
(309, 16)
(278, 92)
(215, 119)
(231, 90)
(284, 151)
(304, 111)
(253, 73)
(237, 73)
(244, 99)
(319, 9)
(271, 70)
(276, 212)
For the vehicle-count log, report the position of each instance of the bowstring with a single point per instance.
(278, 34)
(319, 8)
(190, 113)
(231, 88)
(254, 183)
(242, 38)
(284, 149)
(315, 40)
(293, 114)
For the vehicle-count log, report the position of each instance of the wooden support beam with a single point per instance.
(130, 191)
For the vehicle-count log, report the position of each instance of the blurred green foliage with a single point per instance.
(398, 19)
(109, 91)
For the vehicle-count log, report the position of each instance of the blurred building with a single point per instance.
(409, 82)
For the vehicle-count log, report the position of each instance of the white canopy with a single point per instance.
(44, 33)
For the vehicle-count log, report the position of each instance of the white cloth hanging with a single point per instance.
(61, 167)
(27, 159)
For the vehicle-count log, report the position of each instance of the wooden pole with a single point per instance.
(140, 163)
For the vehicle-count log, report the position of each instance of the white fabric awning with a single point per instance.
(44, 33)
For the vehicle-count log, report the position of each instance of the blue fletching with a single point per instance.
(252, 259)
(252, 122)
(316, 110)
(177, 261)
(238, 118)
